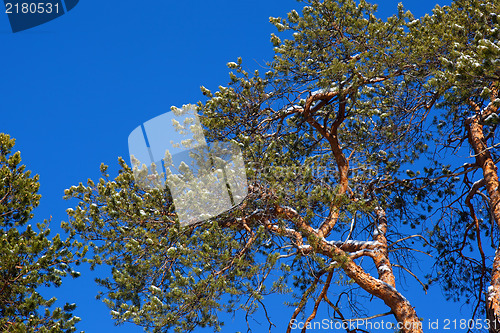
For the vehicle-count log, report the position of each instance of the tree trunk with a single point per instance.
(493, 301)
(485, 162)
(405, 314)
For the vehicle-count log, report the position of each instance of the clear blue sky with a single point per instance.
(73, 89)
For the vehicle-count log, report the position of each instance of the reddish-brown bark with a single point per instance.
(383, 287)
(493, 302)
(381, 257)
(404, 313)
(344, 253)
(485, 161)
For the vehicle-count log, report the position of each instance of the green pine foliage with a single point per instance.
(463, 50)
(340, 124)
(29, 259)
(165, 277)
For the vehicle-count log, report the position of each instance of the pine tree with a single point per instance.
(325, 133)
(28, 259)
(354, 142)
(461, 43)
